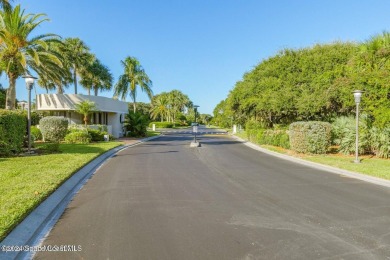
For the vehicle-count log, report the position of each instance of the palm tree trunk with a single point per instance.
(75, 79)
(89, 92)
(96, 91)
(11, 93)
(134, 106)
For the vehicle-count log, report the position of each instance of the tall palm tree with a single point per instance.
(77, 57)
(96, 76)
(133, 76)
(159, 106)
(20, 52)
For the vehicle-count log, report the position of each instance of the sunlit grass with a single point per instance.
(26, 181)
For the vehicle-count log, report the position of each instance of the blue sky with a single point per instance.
(203, 47)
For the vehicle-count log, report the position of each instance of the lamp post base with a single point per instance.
(356, 161)
(195, 144)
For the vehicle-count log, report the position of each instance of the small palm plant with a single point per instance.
(85, 108)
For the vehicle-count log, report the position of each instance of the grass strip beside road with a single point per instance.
(26, 181)
(369, 165)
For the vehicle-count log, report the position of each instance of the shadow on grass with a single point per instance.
(80, 148)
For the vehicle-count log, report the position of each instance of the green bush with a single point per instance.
(96, 135)
(380, 142)
(136, 124)
(256, 133)
(13, 126)
(161, 124)
(36, 133)
(53, 128)
(78, 137)
(344, 134)
(310, 137)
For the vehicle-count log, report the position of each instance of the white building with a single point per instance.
(110, 112)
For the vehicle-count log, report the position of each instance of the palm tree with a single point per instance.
(133, 76)
(96, 76)
(5, 4)
(77, 57)
(159, 106)
(85, 108)
(19, 52)
(55, 78)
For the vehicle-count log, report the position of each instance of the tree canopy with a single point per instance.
(314, 83)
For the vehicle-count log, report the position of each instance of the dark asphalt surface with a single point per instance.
(165, 200)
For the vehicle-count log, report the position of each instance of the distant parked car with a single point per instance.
(194, 124)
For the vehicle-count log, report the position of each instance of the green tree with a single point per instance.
(19, 51)
(159, 107)
(96, 76)
(56, 77)
(133, 76)
(77, 56)
(85, 108)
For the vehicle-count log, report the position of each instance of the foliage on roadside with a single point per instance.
(13, 125)
(313, 137)
(257, 133)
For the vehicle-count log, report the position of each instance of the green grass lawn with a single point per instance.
(26, 181)
(152, 133)
(369, 165)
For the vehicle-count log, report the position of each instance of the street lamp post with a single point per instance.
(357, 94)
(29, 85)
(196, 111)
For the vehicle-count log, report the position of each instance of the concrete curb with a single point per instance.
(39, 222)
(331, 169)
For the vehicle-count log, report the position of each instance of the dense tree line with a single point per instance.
(314, 83)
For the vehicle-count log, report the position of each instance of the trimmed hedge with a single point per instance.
(257, 134)
(310, 137)
(53, 128)
(161, 124)
(13, 127)
(78, 137)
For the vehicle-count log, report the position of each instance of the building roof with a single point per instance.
(67, 102)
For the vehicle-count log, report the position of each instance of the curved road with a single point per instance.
(165, 200)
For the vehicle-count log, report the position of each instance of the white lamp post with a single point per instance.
(358, 95)
(29, 84)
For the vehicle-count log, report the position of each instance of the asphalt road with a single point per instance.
(165, 200)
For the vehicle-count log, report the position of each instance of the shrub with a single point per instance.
(344, 134)
(161, 124)
(36, 133)
(13, 125)
(310, 137)
(136, 123)
(380, 142)
(256, 133)
(53, 128)
(96, 135)
(78, 137)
